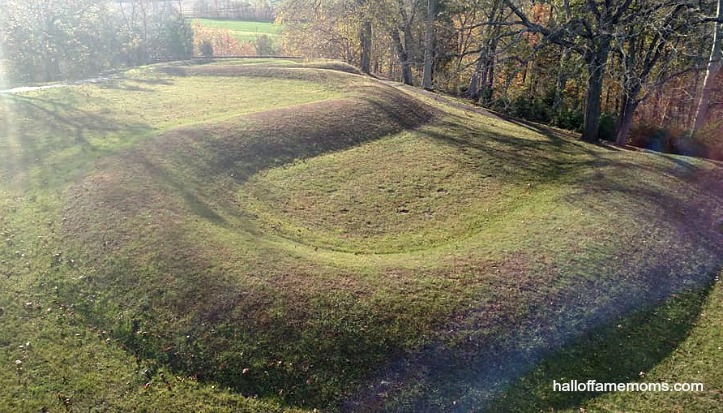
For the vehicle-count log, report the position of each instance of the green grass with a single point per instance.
(191, 235)
(246, 31)
(676, 341)
(342, 201)
(695, 360)
(89, 121)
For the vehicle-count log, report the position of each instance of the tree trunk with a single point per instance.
(624, 130)
(429, 45)
(561, 82)
(366, 46)
(596, 71)
(481, 82)
(480, 85)
(488, 72)
(403, 57)
(591, 122)
(625, 120)
(474, 81)
(714, 66)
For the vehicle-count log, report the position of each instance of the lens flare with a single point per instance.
(8, 136)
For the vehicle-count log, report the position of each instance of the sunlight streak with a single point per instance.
(3, 82)
(8, 133)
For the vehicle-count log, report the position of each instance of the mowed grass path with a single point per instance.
(323, 240)
(247, 31)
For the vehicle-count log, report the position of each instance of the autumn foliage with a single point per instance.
(221, 40)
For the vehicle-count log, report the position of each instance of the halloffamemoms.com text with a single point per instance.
(594, 386)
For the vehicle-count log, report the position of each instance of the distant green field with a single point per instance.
(243, 30)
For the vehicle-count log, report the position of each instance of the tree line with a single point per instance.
(597, 66)
(48, 40)
(248, 10)
(646, 72)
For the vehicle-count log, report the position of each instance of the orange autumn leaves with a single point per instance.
(222, 41)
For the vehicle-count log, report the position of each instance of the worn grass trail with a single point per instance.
(323, 240)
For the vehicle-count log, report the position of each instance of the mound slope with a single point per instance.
(136, 182)
(187, 273)
(163, 217)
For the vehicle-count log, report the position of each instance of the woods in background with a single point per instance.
(44, 40)
(640, 72)
(248, 10)
(628, 71)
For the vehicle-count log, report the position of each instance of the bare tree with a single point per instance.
(714, 65)
(402, 38)
(589, 32)
(646, 45)
(482, 79)
(429, 45)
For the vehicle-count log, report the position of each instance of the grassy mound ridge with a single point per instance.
(183, 244)
(320, 72)
(133, 183)
(55, 357)
(133, 215)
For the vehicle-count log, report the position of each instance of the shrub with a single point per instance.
(206, 48)
(571, 119)
(485, 95)
(530, 108)
(521, 107)
(707, 142)
(501, 104)
(606, 129)
(675, 140)
(541, 111)
(644, 135)
(264, 46)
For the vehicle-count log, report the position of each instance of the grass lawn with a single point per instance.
(269, 236)
(678, 341)
(246, 31)
(696, 359)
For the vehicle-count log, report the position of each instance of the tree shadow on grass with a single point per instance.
(137, 84)
(533, 160)
(44, 127)
(622, 351)
(63, 117)
(192, 200)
